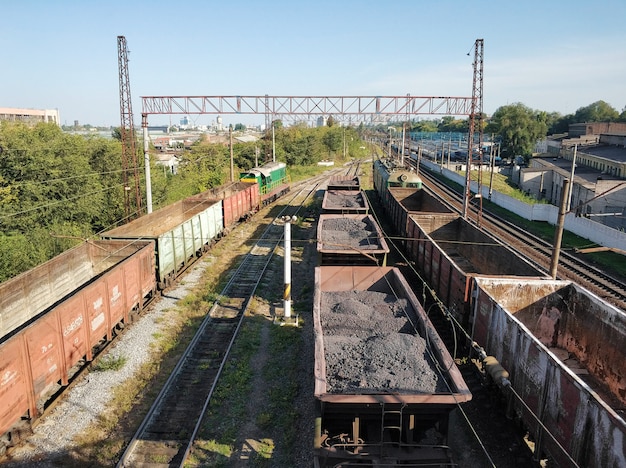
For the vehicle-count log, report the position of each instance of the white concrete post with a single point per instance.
(287, 292)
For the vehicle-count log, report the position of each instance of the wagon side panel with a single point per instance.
(15, 390)
(44, 352)
(73, 324)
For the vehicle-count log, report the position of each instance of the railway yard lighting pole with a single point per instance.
(287, 292)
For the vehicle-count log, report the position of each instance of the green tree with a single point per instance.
(333, 139)
(519, 128)
(599, 111)
(450, 124)
(425, 126)
(205, 166)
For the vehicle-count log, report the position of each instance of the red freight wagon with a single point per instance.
(345, 202)
(344, 183)
(401, 202)
(449, 252)
(239, 199)
(372, 410)
(39, 357)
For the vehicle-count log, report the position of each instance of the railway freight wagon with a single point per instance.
(384, 382)
(32, 293)
(565, 351)
(271, 179)
(239, 200)
(352, 239)
(449, 252)
(77, 301)
(344, 183)
(345, 202)
(401, 202)
(181, 232)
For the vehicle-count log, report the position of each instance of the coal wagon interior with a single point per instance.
(384, 382)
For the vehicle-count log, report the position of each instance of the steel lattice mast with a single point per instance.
(476, 113)
(127, 133)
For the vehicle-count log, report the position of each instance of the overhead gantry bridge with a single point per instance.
(353, 109)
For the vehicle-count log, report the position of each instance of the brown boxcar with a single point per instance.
(345, 202)
(39, 357)
(350, 239)
(239, 200)
(565, 351)
(388, 422)
(449, 252)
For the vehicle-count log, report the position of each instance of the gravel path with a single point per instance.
(82, 404)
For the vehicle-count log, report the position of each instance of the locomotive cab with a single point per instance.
(405, 179)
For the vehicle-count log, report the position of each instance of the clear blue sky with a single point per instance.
(550, 55)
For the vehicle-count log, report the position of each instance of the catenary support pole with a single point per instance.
(146, 160)
(558, 234)
(571, 178)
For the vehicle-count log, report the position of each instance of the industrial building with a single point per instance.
(596, 164)
(30, 116)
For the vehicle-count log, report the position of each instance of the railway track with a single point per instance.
(537, 251)
(165, 437)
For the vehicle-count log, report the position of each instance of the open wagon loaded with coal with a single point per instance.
(350, 240)
(384, 382)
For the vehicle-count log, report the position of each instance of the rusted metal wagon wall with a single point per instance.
(39, 358)
(449, 252)
(182, 231)
(30, 294)
(401, 202)
(239, 199)
(565, 350)
(372, 423)
(345, 202)
(358, 240)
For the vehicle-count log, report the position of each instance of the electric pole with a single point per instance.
(127, 133)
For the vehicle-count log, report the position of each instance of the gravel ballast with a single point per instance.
(344, 199)
(370, 345)
(349, 233)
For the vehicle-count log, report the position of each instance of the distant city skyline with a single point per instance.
(553, 56)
